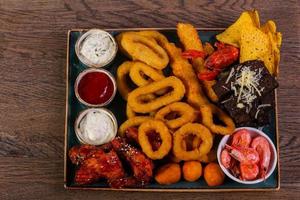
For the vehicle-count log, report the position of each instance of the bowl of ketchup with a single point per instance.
(95, 87)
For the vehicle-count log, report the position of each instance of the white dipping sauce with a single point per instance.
(97, 128)
(98, 48)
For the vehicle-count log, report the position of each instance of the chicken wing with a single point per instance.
(99, 165)
(78, 154)
(141, 165)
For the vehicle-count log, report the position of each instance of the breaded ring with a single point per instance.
(199, 131)
(166, 138)
(185, 111)
(176, 94)
(132, 122)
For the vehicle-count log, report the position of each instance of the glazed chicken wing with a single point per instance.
(141, 165)
(103, 162)
(96, 164)
(78, 154)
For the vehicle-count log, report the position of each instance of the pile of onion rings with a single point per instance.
(175, 109)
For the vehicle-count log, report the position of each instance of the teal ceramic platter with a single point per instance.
(118, 107)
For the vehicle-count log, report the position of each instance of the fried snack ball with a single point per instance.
(166, 138)
(213, 175)
(132, 122)
(174, 95)
(138, 72)
(142, 48)
(190, 39)
(199, 131)
(122, 71)
(191, 170)
(185, 111)
(209, 111)
(168, 174)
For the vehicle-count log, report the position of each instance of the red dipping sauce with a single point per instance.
(96, 88)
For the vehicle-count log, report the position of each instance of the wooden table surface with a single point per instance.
(33, 36)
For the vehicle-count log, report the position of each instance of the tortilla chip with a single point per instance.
(254, 44)
(232, 34)
(275, 39)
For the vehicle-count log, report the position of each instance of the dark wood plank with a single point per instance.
(32, 89)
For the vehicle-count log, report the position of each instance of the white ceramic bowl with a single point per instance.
(254, 132)
(82, 74)
(87, 62)
(82, 114)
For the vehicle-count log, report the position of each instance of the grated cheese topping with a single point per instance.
(246, 87)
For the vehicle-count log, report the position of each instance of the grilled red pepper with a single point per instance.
(218, 60)
(223, 57)
(209, 75)
(220, 45)
(191, 54)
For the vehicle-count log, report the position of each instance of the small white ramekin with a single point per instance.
(79, 77)
(82, 114)
(254, 132)
(83, 59)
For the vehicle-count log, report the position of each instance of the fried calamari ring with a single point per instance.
(129, 112)
(157, 36)
(185, 111)
(166, 138)
(189, 37)
(146, 98)
(122, 71)
(132, 122)
(195, 143)
(199, 131)
(142, 48)
(174, 95)
(208, 113)
(139, 69)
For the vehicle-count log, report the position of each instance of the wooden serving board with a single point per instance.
(118, 105)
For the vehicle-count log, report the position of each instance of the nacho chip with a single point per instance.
(254, 44)
(275, 39)
(232, 34)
